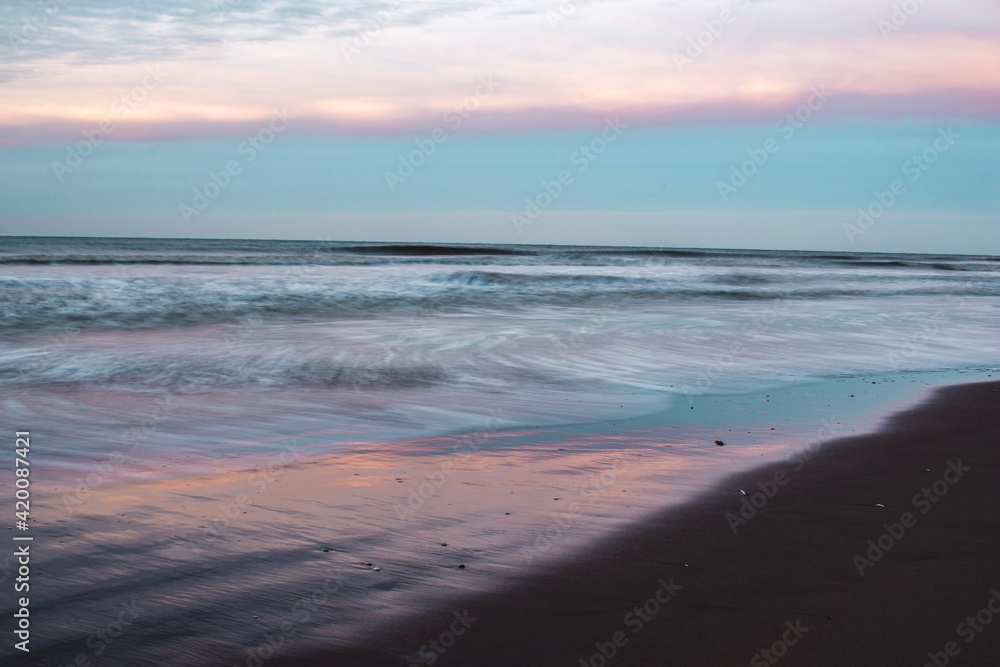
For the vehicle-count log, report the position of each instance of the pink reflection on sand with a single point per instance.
(520, 500)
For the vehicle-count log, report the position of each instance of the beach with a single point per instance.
(301, 563)
(793, 580)
(259, 452)
(479, 333)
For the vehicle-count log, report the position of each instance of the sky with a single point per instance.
(858, 125)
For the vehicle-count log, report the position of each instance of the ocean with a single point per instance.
(372, 340)
(362, 403)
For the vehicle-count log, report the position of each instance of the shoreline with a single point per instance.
(799, 577)
(251, 544)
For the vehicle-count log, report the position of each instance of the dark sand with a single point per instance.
(793, 562)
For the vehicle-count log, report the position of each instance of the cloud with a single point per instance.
(562, 63)
(90, 32)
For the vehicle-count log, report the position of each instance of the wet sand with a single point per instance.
(788, 582)
(306, 560)
(231, 565)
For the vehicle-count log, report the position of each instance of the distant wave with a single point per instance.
(925, 265)
(56, 259)
(68, 250)
(505, 279)
(430, 250)
(53, 283)
(125, 302)
(318, 255)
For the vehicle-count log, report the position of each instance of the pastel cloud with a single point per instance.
(229, 62)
